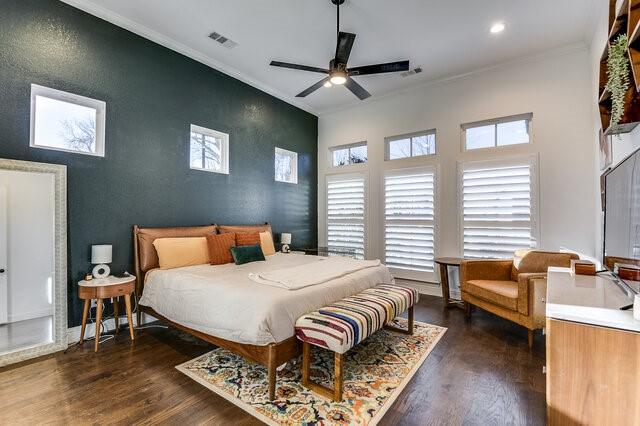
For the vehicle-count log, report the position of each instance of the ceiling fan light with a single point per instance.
(338, 79)
(327, 84)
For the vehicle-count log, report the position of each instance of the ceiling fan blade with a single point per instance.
(380, 68)
(298, 67)
(312, 88)
(356, 89)
(343, 49)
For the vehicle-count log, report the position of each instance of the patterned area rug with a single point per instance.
(375, 373)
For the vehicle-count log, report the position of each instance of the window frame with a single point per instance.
(99, 106)
(389, 139)
(348, 146)
(348, 175)
(294, 167)
(194, 128)
(528, 117)
(534, 164)
(408, 274)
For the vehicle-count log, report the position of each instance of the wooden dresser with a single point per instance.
(593, 352)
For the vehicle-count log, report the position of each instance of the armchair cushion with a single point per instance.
(502, 293)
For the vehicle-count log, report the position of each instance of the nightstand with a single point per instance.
(106, 288)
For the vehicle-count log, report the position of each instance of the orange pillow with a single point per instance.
(180, 252)
(266, 242)
(248, 239)
(220, 248)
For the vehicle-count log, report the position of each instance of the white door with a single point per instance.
(4, 293)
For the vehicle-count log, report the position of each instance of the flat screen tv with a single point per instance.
(622, 209)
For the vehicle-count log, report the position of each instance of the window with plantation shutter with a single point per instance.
(409, 212)
(346, 200)
(498, 208)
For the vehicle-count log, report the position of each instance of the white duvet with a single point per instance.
(222, 301)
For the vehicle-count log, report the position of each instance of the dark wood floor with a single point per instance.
(481, 372)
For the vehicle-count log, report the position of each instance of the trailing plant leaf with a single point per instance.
(618, 77)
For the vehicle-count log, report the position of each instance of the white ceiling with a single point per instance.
(444, 37)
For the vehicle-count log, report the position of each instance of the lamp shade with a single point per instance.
(285, 238)
(100, 254)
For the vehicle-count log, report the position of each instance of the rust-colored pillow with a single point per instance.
(220, 248)
(247, 239)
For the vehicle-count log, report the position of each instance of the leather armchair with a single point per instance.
(512, 289)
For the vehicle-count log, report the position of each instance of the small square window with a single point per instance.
(412, 145)
(349, 154)
(209, 150)
(63, 121)
(499, 132)
(286, 165)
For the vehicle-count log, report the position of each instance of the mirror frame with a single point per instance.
(60, 339)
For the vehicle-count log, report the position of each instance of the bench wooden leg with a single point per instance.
(338, 381)
(410, 324)
(337, 377)
(271, 368)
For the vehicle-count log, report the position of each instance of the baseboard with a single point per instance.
(426, 288)
(73, 333)
(23, 316)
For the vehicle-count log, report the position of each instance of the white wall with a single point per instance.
(30, 245)
(555, 87)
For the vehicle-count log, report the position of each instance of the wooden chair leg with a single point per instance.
(530, 338)
(271, 369)
(306, 363)
(467, 310)
(98, 324)
(337, 379)
(85, 314)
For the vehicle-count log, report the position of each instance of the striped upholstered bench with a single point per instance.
(342, 325)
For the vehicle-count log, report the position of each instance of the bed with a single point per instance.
(221, 305)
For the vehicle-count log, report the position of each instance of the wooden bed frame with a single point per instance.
(271, 356)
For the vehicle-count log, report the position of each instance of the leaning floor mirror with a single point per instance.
(33, 260)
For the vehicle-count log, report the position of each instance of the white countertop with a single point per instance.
(588, 299)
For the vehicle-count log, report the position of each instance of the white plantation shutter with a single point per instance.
(346, 198)
(498, 207)
(409, 212)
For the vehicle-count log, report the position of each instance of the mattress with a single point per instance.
(223, 302)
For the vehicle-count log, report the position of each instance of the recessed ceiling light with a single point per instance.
(327, 84)
(497, 28)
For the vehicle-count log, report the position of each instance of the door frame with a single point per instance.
(60, 341)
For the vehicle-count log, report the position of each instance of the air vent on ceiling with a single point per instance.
(414, 71)
(226, 42)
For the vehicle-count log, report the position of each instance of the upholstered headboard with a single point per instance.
(146, 257)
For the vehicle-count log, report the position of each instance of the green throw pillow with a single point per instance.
(246, 254)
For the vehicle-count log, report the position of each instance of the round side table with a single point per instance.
(106, 288)
(444, 263)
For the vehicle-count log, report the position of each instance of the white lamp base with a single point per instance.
(101, 271)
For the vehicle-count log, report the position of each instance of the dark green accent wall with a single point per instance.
(153, 94)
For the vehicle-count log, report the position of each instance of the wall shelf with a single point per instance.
(625, 20)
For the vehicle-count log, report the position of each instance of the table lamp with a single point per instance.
(285, 240)
(100, 256)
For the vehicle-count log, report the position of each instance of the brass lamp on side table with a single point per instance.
(444, 263)
(106, 288)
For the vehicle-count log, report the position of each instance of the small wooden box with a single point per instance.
(627, 272)
(583, 267)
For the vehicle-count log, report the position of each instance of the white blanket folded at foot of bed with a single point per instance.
(325, 269)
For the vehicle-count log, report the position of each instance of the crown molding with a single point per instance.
(156, 37)
(539, 57)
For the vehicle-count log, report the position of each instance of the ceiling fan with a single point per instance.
(338, 73)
